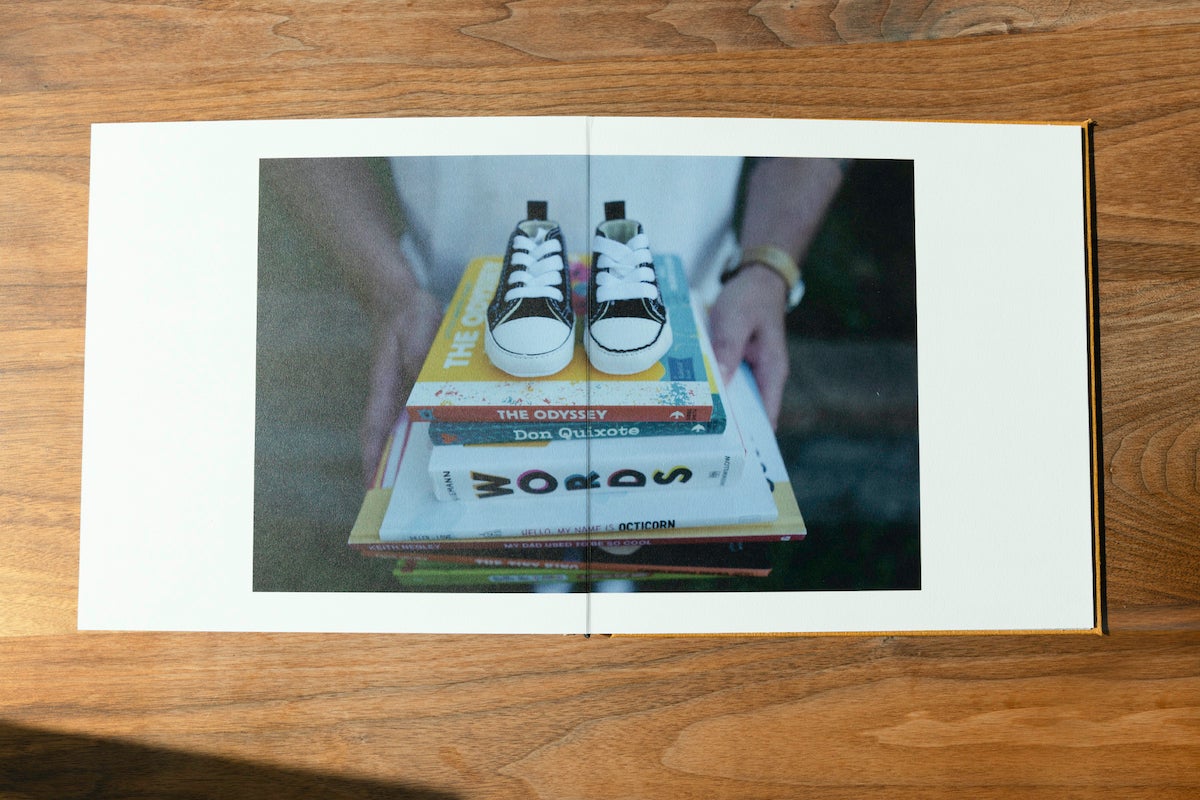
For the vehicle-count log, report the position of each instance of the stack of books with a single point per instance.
(489, 479)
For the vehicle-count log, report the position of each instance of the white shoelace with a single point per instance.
(619, 271)
(543, 264)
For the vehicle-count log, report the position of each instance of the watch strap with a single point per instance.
(780, 262)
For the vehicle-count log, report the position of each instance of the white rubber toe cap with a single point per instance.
(530, 347)
(623, 334)
(531, 336)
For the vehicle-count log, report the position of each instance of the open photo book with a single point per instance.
(591, 375)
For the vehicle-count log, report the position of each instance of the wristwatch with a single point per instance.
(776, 259)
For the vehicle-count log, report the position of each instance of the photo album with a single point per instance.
(591, 375)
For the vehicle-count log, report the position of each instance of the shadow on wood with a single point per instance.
(46, 765)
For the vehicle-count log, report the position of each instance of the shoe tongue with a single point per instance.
(619, 230)
(536, 229)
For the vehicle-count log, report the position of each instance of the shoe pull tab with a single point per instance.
(614, 209)
(535, 209)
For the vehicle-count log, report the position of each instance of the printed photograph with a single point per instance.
(586, 374)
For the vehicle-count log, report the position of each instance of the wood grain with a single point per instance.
(64, 43)
(570, 718)
(108, 715)
(1152, 437)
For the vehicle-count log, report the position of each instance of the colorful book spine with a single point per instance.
(458, 383)
(543, 469)
(695, 560)
(451, 433)
(422, 575)
(785, 529)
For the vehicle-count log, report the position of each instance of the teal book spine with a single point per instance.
(448, 433)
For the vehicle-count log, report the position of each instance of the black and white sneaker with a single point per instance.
(628, 330)
(531, 326)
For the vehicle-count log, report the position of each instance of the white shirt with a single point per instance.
(461, 207)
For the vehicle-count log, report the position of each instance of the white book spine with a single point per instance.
(497, 473)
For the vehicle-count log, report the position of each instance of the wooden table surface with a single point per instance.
(119, 715)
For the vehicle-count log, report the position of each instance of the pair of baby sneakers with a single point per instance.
(531, 323)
